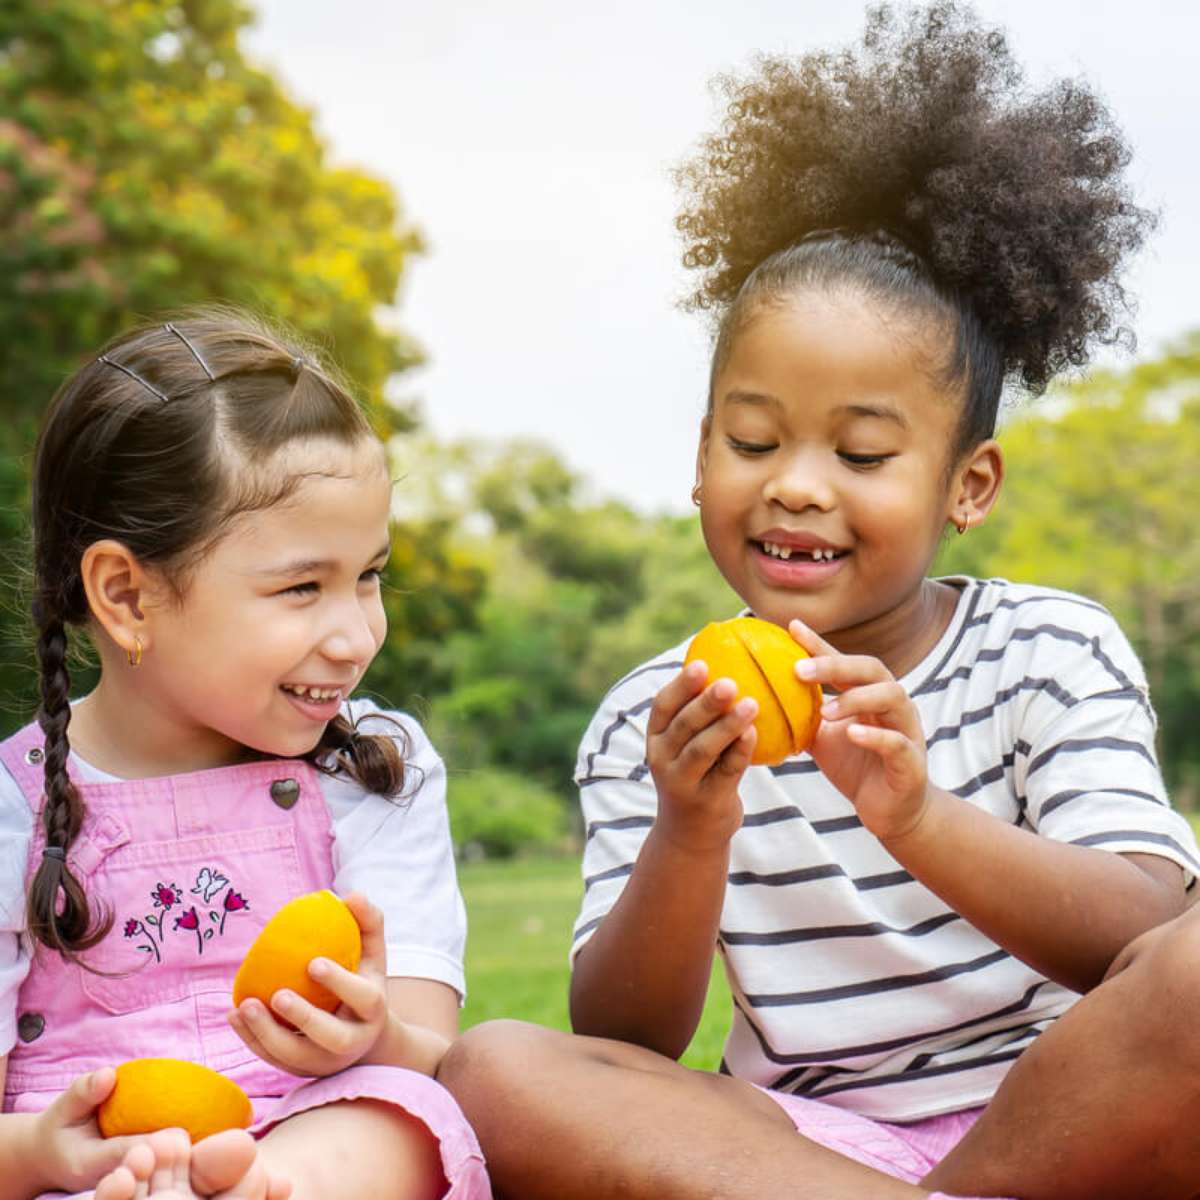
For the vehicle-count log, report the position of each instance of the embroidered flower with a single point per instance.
(165, 895)
(132, 927)
(208, 883)
(189, 920)
(234, 901)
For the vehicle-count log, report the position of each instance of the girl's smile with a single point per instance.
(824, 471)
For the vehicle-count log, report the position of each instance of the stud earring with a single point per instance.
(135, 655)
(696, 494)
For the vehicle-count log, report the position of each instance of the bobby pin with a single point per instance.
(195, 353)
(108, 362)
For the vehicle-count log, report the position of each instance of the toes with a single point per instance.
(253, 1185)
(219, 1163)
(117, 1185)
(172, 1149)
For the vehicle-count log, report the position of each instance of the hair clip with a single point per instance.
(299, 363)
(195, 353)
(55, 852)
(108, 362)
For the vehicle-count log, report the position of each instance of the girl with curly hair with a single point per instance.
(953, 929)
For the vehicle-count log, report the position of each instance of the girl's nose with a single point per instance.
(352, 636)
(800, 482)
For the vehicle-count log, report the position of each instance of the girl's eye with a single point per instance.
(750, 447)
(302, 589)
(371, 575)
(863, 460)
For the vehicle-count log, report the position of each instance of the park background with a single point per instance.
(469, 207)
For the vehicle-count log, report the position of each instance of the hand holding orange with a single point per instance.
(317, 925)
(760, 658)
(165, 1093)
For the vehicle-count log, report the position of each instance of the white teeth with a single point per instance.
(822, 554)
(312, 693)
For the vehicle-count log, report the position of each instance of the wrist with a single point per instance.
(923, 829)
(693, 840)
(29, 1154)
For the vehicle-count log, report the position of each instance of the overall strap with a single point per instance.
(24, 755)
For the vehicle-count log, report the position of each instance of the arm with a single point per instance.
(643, 976)
(1003, 879)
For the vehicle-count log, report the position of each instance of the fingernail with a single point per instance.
(318, 967)
(747, 707)
(723, 689)
(829, 709)
(806, 668)
(282, 1000)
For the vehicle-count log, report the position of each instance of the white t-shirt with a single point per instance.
(852, 982)
(396, 852)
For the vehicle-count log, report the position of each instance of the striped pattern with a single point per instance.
(851, 981)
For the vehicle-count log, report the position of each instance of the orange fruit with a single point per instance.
(317, 925)
(760, 658)
(165, 1093)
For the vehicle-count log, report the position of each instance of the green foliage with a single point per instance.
(497, 814)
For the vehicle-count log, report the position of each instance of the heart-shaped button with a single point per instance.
(30, 1026)
(285, 792)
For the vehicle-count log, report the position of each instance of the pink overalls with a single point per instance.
(191, 867)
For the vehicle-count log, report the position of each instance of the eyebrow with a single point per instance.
(882, 412)
(312, 566)
(757, 398)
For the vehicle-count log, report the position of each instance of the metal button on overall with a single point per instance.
(30, 1026)
(285, 792)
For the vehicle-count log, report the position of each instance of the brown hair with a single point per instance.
(156, 443)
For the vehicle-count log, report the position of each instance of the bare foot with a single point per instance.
(166, 1166)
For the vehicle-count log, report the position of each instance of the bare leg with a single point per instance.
(589, 1119)
(1105, 1105)
(356, 1148)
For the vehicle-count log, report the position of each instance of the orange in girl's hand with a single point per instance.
(166, 1093)
(318, 925)
(760, 658)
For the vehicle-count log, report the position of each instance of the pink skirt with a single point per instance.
(907, 1152)
(417, 1095)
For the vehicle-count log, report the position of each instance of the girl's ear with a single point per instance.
(701, 454)
(976, 485)
(119, 590)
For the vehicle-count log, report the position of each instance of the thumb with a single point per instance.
(84, 1095)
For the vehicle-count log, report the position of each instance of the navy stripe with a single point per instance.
(623, 715)
(1061, 798)
(1025, 1033)
(618, 823)
(587, 927)
(992, 774)
(638, 773)
(874, 987)
(795, 766)
(864, 883)
(1078, 745)
(974, 716)
(611, 873)
(871, 1048)
(816, 933)
(1136, 835)
(773, 816)
(976, 592)
(928, 1073)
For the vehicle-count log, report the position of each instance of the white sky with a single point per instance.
(531, 140)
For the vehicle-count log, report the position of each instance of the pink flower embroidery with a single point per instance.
(165, 895)
(189, 920)
(234, 901)
(132, 927)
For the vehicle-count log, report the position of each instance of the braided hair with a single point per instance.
(158, 443)
(919, 169)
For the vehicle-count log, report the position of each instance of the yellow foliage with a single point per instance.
(317, 925)
(760, 658)
(164, 1093)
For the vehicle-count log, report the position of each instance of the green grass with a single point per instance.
(521, 914)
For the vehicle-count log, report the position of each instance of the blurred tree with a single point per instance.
(146, 165)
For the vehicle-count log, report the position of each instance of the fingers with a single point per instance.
(374, 949)
(85, 1094)
(704, 727)
(688, 684)
(336, 1032)
(888, 704)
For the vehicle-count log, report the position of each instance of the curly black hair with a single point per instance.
(920, 166)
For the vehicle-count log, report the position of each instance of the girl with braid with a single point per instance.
(952, 930)
(211, 509)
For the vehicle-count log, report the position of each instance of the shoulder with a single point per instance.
(16, 831)
(1028, 622)
(404, 729)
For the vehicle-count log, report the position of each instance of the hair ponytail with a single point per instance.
(374, 761)
(57, 908)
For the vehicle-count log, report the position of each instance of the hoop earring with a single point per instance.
(696, 494)
(963, 526)
(135, 655)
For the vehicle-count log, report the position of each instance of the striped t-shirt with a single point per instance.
(853, 983)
